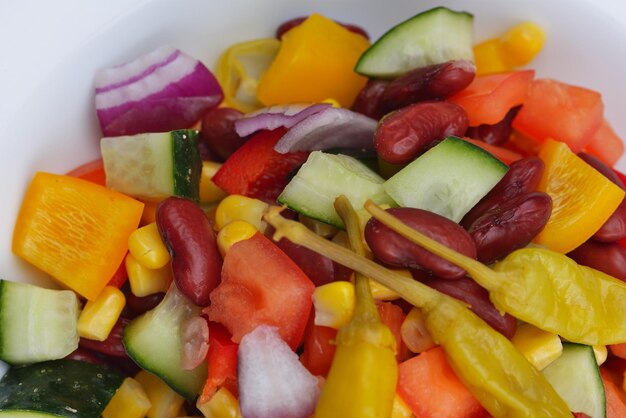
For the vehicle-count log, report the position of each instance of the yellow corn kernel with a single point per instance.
(209, 192)
(538, 346)
(240, 208)
(99, 315)
(320, 228)
(165, 403)
(601, 353)
(221, 405)
(334, 304)
(144, 281)
(332, 102)
(234, 232)
(130, 401)
(380, 292)
(146, 246)
(414, 332)
(522, 43)
(400, 408)
(488, 57)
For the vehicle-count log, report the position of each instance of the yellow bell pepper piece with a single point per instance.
(538, 346)
(232, 233)
(209, 192)
(221, 405)
(144, 281)
(146, 246)
(334, 304)
(100, 315)
(315, 61)
(239, 69)
(165, 403)
(130, 401)
(582, 198)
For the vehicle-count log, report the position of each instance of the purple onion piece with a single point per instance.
(279, 116)
(160, 91)
(331, 128)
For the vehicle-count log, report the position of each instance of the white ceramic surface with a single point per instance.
(48, 58)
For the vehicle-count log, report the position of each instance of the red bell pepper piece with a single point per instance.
(319, 348)
(222, 362)
(92, 171)
(120, 276)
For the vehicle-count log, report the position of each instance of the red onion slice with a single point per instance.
(160, 91)
(332, 128)
(278, 116)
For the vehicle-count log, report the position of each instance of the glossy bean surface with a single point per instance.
(609, 258)
(523, 177)
(218, 132)
(406, 133)
(196, 262)
(510, 226)
(138, 305)
(395, 250)
(113, 345)
(433, 82)
(470, 292)
(496, 134)
(368, 101)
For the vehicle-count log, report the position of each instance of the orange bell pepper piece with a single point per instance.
(582, 198)
(75, 230)
(315, 61)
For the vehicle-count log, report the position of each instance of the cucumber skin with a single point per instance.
(58, 388)
(187, 163)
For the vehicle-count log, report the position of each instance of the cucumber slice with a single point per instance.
(323, 177)
(576, 378)
(432, 37)
(448, 179)
(59, 388)
(36, 324)
(153, 342)
(153, 165)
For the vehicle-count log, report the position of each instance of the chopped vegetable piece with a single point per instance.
(615, 399)
(318, 349)
(606, 145)
(582, 198)
(299, 75)
(100, 315)
(505, 155)
(75, 230)
(92, 171)
(221, 405)
(278, 116)
(130, 401)
(164, 402)
(222, 363)
(540, 347)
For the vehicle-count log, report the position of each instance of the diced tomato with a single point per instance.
(431, 389)
(393, 316)
(256, 170)
(92, 171)
(222, 362)
(488, 98)
(261, 285)
(505, 155)
(615, 396)
(605, 144)
(319, 348)
(560, 111)
(120, 277)
(618, 350)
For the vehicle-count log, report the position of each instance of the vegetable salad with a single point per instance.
(325, 226)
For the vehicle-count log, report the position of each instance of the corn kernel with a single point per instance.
(144, 281)
(538, 346)
(522, 43)
(601, 353)
(209, 192)
(320, 228)
(240, 208)
(332, 102)
(130, 401)
(165, 403)
(232, 233)
(221, 405)
(334, 304)
(488, 58)
(381, 292)
(414, 332)
(400, 409)
(98, 316)
(146, 246)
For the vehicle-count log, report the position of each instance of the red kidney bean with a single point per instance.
(138, 305)
(82, 354)
(614, 229)
(113, 345)
(609, 258)
(470, 292)
(496, 134)
(296, 21)
(218, 132)
(433, 82)
(368, 101)
(196, 262)
(393, 249)
(523, 177)
(404, 134)
(510, 226)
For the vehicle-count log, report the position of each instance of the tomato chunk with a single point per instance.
(222, 362)
(605, 144)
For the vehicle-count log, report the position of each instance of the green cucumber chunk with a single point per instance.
(36, 324)
(153, 341)
(58, 388)
(153, 165)
(576, 378)
(431, 37)
(323, 177)
(448, 179)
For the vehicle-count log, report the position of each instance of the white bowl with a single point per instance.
(48, 121)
